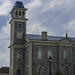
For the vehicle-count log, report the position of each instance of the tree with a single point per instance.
(34, 73)
(58, 73)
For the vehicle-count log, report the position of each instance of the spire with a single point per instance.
(66, 35)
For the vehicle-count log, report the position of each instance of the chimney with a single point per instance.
(44, 35)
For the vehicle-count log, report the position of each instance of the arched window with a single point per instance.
(19, 71)
(23, 13)
(49, 53)
(65, 55)
(19, 13)
(39, 54)
(40, 70)
(16, 13)
(66, 70)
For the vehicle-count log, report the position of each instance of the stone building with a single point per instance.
(4, 71)
(29, 53)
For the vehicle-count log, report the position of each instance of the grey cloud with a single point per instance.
(52, 17)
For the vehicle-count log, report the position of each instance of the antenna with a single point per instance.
(66, 35)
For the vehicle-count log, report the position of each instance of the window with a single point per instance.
(39, 54)
(49, 53)
(40, 70)
(19, 13)
(65, 55)
(16, 13)
(19, 56)
(23, 13)
(18, 71)
(66, 71)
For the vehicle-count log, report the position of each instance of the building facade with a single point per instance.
(29, 53)
(4, 71)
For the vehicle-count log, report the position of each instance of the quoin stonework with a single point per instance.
(29, 53)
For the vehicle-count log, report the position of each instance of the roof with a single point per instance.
(4, 70)
(49, 38)
(19, 5)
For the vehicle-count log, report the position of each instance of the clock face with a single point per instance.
(19, 26)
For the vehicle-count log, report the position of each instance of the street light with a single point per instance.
(50, 59)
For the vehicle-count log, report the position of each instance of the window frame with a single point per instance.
(19, 56)
(40, 68)
(20, 13)
(68, 70)
(65, 55)
(51, 54)
(39, 54)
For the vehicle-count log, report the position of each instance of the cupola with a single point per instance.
(18, 11)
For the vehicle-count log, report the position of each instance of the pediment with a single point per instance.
(66, 40)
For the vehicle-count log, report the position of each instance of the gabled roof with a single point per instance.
(49, 38)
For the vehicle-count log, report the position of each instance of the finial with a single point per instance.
(66, 35)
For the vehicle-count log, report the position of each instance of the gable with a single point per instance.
(66, 40)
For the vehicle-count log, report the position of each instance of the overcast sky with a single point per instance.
(57, 17)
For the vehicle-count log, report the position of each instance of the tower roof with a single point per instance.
(19, 4)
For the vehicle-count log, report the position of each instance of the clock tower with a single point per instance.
(18, 23)
(17, 33)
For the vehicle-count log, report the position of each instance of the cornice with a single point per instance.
(16, 45)
(40, 42)
(18, 19)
